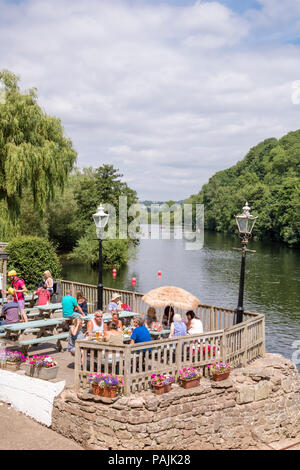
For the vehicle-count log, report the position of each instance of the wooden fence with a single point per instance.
(222, 340)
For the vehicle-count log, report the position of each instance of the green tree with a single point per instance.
(34, 153)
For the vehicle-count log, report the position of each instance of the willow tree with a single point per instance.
(34, 153)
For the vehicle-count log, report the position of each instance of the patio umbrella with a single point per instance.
(172, 296)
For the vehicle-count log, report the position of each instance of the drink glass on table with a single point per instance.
(97, 335)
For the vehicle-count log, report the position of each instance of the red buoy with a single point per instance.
(159, 273)
(133, 281)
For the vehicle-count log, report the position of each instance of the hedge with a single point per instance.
(30, 257)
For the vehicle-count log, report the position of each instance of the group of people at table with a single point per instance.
(111, 331)
(75, 309)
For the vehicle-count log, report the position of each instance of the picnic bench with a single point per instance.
(45, 331)
(49, 309)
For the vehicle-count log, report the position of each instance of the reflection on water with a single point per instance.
(272, 281)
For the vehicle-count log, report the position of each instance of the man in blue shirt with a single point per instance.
(140, 333)
(69, 305)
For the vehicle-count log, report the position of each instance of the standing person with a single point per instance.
(97, 324)
(178, 327)
(82, 302)
(19, 287)
(43, 295)
(49, 281)
(11, 311)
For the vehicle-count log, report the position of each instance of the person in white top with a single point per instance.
(97, 324)
(194, 325)
(48, 281)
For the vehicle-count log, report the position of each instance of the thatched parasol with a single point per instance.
(172, 296)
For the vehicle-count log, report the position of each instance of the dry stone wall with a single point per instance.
(257, 404)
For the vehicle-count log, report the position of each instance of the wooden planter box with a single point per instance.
(44, 373)
(219, 377)
(190, 383)
(12, 366)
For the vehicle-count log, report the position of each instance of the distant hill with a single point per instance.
(269, 179)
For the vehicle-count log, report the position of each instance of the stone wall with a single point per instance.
(257, 404)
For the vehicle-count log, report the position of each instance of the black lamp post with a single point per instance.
(245, 223)
(100, 219)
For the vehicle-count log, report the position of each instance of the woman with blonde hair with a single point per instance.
(75, 333)
(150, 317)
(48, 281)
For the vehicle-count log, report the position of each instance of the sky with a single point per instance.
(167, 91)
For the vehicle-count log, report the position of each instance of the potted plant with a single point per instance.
(219, 370)
(190, 377)
(41, 366)
(13, 360)
(94, 380)
(168, 383)
(106, 385)
(158, 383)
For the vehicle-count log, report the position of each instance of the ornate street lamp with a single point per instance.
(100, 219)
(245, 223)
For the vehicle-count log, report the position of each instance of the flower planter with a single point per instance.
(96, 389)
(159, 389)
(13, 366)
(109, 392)
(190, 383)
(44, 373)
(167, 388)
(222, 376)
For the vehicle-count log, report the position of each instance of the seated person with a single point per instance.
(69, 305)
(168, 316)
(194, 325)
(43, 294)
(97, 324)
(140, 333)
(81, 300)
(75, 333)
(115, 304)
(178, 327)
(10, 311)
(112, 335)
(150, 317)
(117, 321)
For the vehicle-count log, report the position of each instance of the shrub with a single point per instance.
(30, 257)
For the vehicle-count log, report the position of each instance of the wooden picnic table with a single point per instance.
(46, 311)
(44, 330)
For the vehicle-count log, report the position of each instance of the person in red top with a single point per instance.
(43, 294)
(19, 287)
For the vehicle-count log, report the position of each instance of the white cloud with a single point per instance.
(169, 95)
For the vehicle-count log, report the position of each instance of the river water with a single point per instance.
(272, 280)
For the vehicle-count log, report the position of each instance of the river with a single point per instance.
(272, 280)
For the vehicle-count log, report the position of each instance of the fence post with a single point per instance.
(127, 370)
(223, 347)
(133, 302)
(245, 334)
(178, 356)
(77, 367)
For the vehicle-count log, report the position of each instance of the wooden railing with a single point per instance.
(222, 340)
(212, 317)
(137, 362)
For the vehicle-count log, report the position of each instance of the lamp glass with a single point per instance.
(100, 219)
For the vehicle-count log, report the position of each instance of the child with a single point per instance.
(43, 295)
